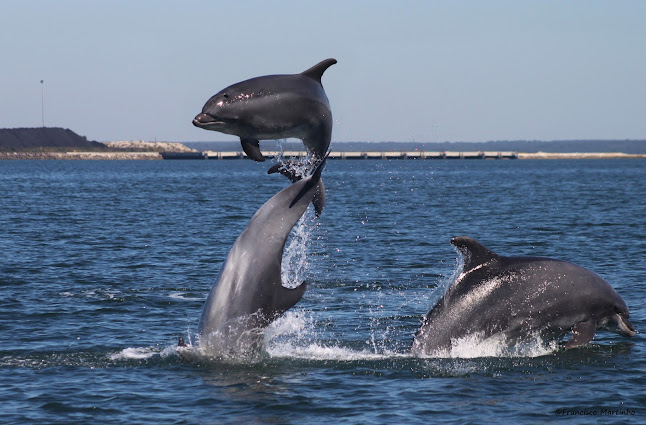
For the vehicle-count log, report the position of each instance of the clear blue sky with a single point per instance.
(408, 70)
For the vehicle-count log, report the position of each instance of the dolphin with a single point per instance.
(248, 294)
(273, 107)
(520, 296)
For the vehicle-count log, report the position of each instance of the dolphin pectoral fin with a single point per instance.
(286, 298)
(582, 333)
(319, 199)
(252, 148)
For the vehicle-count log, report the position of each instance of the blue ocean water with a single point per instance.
(106, 263)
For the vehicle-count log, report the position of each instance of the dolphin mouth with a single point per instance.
(206, 121)
(625, 327)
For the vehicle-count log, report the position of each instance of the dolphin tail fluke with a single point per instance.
(582, 333)
(314, 179)
(316, 72)
(286, 298)
(251, 147)
(289, 169)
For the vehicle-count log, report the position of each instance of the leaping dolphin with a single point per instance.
(273, 107)
(248, 294)
(518, 296)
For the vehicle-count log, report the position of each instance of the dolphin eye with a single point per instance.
(226, 96)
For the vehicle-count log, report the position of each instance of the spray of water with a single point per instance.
(295, 264)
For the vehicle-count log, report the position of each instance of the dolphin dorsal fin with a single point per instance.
(316, 72)
(475, 254)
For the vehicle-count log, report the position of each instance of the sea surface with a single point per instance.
(105, 264)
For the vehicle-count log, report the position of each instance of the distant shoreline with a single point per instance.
(585, 155)
(335, 155)
(81, 155)
(564, 146)
(61, 143)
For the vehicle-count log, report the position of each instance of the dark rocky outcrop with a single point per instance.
(45, 139)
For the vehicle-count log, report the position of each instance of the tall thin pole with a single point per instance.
(42, 100)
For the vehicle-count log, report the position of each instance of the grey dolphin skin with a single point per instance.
(273, 107)
(248, 294)
(518, 296)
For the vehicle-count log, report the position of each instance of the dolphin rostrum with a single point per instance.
(248, 294)
(273, 107)
(520, 296)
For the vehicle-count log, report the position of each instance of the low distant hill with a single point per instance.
(530, 146)
(45, 138)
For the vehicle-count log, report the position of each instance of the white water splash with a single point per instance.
(295, 264)
(318, 351)
(476, 346)
(295, 261)
(294, 336)
(303, 165)
(294, 323)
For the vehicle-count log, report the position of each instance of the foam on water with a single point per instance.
(135, 353)
(97, 293)
(181, 296)
(318, 351)
(143, 353)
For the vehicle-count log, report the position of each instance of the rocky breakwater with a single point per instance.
(142, 146)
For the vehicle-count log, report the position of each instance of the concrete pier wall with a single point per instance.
(373, 155)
